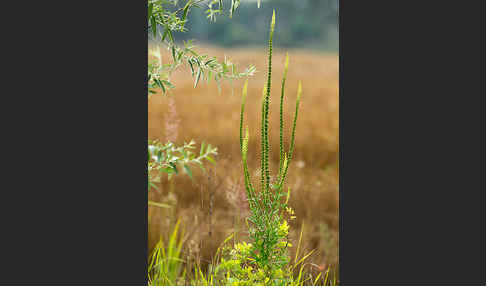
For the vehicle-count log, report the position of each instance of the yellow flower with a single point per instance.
(283, 229)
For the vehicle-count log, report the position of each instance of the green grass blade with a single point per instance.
(305, 257)
(317, 278)
(298, 245)
(160, 205)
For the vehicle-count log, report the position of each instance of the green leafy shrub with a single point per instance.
(167, 17)
(165, 158)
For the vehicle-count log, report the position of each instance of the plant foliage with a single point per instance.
(165, 18)
(169, 159)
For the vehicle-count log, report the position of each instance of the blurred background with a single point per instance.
(212, 206)
(310, 24)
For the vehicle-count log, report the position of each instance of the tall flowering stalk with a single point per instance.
(266, 258)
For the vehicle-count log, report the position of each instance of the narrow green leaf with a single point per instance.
(193, 53)
(186, 9)
(152, 185)
(197, 77)
(192, 68)
(150, 9)
(232, 10)
(209, 76)
(170, 36)
(162, 86)
(210, 159)
(168, 83)
(154, 26)
(159, 84)
(165, 35)
(188, 171)
(202, 149)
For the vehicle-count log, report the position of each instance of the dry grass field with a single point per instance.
(212, 206)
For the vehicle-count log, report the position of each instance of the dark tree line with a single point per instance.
(309, 24)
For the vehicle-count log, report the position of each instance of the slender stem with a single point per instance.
(243, 101)
(281, 117)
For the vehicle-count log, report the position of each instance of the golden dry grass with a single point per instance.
(206, 115)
